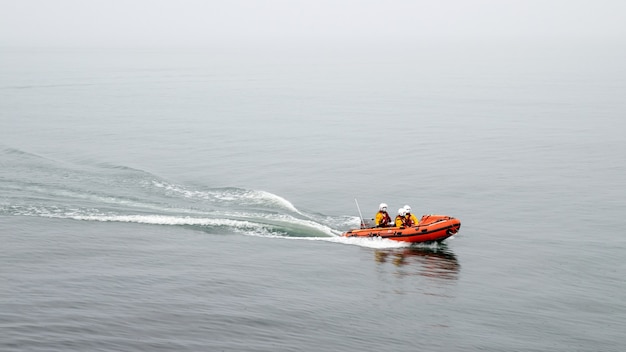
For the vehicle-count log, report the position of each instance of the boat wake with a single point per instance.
(100, 192)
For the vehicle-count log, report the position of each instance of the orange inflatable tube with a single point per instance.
(431, 228)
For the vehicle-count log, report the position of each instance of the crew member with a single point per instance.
(401, 218)
(410, 218)
(382, 217)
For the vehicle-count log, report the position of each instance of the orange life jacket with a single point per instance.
(410, 220)
(382, 218)
(400, 221)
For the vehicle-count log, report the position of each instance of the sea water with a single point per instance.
(192, 200)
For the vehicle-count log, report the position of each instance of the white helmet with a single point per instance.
(407, 209)
(401, 212)
(382, 207)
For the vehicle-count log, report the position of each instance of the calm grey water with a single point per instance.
(192, 200)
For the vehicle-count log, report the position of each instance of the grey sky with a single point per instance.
(201, 23)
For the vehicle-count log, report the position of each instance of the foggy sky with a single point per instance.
(204, 22)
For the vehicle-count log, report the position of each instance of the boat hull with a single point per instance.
(431, 228)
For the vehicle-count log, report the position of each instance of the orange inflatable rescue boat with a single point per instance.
(431, 228)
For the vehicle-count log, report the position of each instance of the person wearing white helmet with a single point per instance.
(401, 218)
(382, 217)
(411, 219)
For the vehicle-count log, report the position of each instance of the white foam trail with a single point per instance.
(374, 242)
(157, 220)
(262, 224)
(103, 199)
(251, 196)
(370, 242)
(276, 199)
(283, 219)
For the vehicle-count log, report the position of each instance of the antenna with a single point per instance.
(360, 215)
